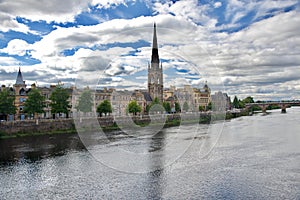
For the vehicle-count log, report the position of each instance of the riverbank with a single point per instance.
(60, 126)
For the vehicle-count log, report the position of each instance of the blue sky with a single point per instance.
(240, 47)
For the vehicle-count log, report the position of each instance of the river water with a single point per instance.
(255, 157)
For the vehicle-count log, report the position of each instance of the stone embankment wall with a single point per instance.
(55, 125)
(32, 126)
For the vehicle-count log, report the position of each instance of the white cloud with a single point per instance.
(16, 47)
(261, 60)
(8, 22)
(8, 61)
(190, 10)
(237, 9)
(54, 10)
(217, 4)
(107, 3)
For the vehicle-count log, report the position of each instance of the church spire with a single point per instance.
(155, 57)
(154, 44)
(155, 72)
(19, 80)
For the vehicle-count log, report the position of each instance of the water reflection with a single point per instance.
(157, 165)
(257, 157)
(34, 148)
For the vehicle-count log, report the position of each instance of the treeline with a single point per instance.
(240, 104)
(35, 103)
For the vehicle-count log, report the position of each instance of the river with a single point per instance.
(254, 157)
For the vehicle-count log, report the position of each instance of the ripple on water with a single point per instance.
(255, 159)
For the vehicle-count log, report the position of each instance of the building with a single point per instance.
(120, 100)
(188, 97)
(155, 72)
(201, 97)
(220, 101)
(21, 93)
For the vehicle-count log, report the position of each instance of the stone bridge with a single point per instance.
(282, 105)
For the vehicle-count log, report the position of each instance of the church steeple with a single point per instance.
(154, 44)
(19, 80)
(155, 57)
(155, 73)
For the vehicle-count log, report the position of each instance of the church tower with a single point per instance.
(155, 73)
(20, 96)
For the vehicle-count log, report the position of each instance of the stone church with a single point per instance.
(155, 72)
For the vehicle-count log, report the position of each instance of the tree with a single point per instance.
(241, 104)
(59, 100)
(185, 106)
(209, 106)
(167, 106)
(134, 107)
(7, 103)
(235, 102)
(104, 107)
(156, 109)
(85, 101)
(156, 101)
(248, 100)
(35, 103)
(177, 107)
(201, 108)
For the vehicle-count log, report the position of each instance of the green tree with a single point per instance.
(185, 106)
(241, 104)
(59, 100)
(35, 103)
(7, 103)
(209, 106)
(167, 106)
(201, 108)
(85, 101)
(235, 102)
(134, 107)
(248, 100)
(104, 108)
(156, 108)
(156, 101)
(177, 107)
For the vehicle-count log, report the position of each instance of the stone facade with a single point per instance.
(221, 101)
(155, 72)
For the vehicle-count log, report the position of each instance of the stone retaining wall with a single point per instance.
(32, 126)
(52, 125)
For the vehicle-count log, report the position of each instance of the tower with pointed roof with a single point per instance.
(20, 95)
(155, 72)
(20, 85)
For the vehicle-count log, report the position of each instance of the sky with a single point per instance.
(241, 47)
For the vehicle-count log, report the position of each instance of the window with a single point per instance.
(22, 100)
(22, 92)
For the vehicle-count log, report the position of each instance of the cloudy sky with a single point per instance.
(242, 47)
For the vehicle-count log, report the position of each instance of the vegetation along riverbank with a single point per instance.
(60, 126)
